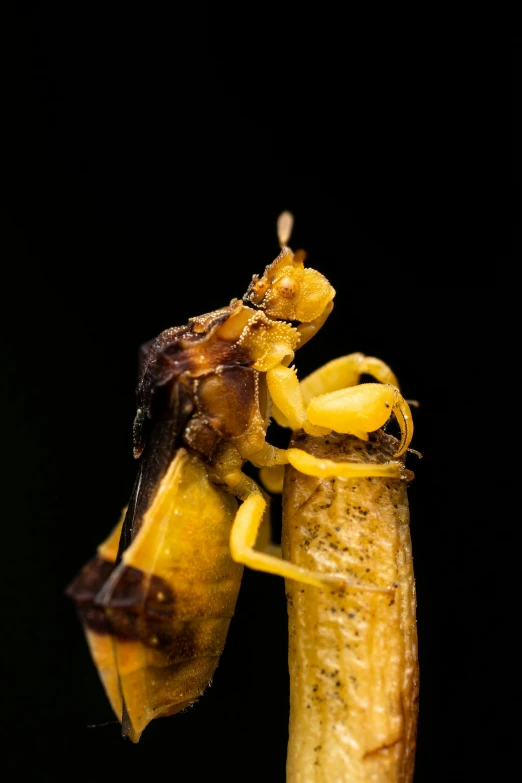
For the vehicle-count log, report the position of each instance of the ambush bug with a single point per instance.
(157, 599)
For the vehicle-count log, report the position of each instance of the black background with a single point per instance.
(148, 158)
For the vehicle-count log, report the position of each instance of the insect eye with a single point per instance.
(287, 287)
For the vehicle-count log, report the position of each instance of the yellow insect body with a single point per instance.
(170, 625)
(156, 605)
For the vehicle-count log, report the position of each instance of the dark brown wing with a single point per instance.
(163, 360)
(172, 413)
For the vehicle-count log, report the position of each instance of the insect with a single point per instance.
(354, 677)
(157, 599)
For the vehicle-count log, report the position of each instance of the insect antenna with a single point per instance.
(285, 224)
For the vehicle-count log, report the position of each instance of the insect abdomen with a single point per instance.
(167, 606)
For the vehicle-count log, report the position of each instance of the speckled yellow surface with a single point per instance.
(353, 663)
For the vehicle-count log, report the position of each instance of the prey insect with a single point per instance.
(157, 599)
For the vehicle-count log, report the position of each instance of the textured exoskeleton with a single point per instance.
(156, 607)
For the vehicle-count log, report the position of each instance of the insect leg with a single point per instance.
(246, 528)
(251, 514)
(243, 537)
(242, 540)
(272, 478)
(327, 468)
(264, 537)
(339, 374)
(362, 409)
(287, 396)
(266, 456)
(343, 372)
